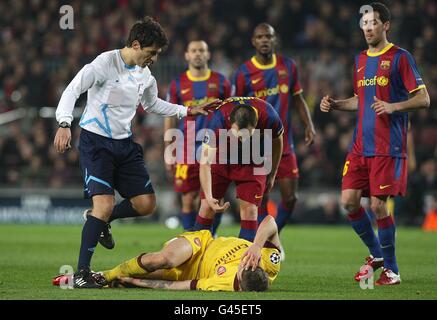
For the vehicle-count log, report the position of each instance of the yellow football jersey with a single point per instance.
(219, 265)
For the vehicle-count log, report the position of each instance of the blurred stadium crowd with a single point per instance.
(38, 59)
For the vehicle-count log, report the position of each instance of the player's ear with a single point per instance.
(253, 41)
(275, 40)
(136, 45)
(387, 26)
(186, 56)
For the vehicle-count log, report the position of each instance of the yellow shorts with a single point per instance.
(199, 240)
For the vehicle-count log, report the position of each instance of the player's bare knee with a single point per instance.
(350, 203)
(350, 206)
(189, 197)
(144, 207)
(102, 209)
(249, 212)
(189, 202)
(378, 208)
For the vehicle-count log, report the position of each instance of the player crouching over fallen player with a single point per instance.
(197, 261)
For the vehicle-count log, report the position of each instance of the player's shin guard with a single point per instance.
(202, 224)
(282, 217)
(91, 231)
(248, 229)
(123, 210)
(362, 225)
(386, 233)
(188, 220)
(129, 268)
(217, 220)
(262, 213)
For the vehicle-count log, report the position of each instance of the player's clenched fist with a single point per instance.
(327, 104)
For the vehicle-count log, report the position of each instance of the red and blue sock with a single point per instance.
(362, 225)
(188, 220)
(248, 229)
(262, 213)
(386, 233)
(283, 215)
(202, 224)
(217, 220)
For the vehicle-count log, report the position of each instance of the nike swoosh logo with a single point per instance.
(184, 91)
(255, 81)
(381, 187)
(383, 247)
(360, 69)
(258, 197)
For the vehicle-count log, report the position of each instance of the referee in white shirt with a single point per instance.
(117, 82)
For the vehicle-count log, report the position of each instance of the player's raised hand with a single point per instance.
(215, 205)
(62, 140)
(382, 107)
(204, 108)
(251, 258)
(327, 104)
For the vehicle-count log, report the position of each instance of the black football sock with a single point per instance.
(90, 236)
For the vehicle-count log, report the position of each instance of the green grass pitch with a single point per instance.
(320, 263)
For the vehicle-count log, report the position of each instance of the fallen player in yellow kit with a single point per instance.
(197, 261)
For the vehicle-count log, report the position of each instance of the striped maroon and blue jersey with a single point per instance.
(190, 91)
(275, 83)
(390, 75)
(267, 118)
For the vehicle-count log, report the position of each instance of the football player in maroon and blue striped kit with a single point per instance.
(387, 85)
(220, 166)
(274, 78)
(193, 87)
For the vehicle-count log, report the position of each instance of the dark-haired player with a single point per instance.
(387, 85)
(274, 78)
(237, 122)
(195, 86)
(117, 82)
(197, 261)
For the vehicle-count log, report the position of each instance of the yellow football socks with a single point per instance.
(129, 268)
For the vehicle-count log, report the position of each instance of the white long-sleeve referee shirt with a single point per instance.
(114, 92)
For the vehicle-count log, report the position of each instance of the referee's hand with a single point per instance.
(204, 108)
(62, 140)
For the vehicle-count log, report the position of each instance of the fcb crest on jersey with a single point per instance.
(282, 73)
(385, 64)
(212, 86)
(275, 258)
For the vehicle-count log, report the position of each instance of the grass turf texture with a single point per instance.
(320, 263)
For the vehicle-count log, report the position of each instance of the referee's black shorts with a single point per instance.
(109, 164)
